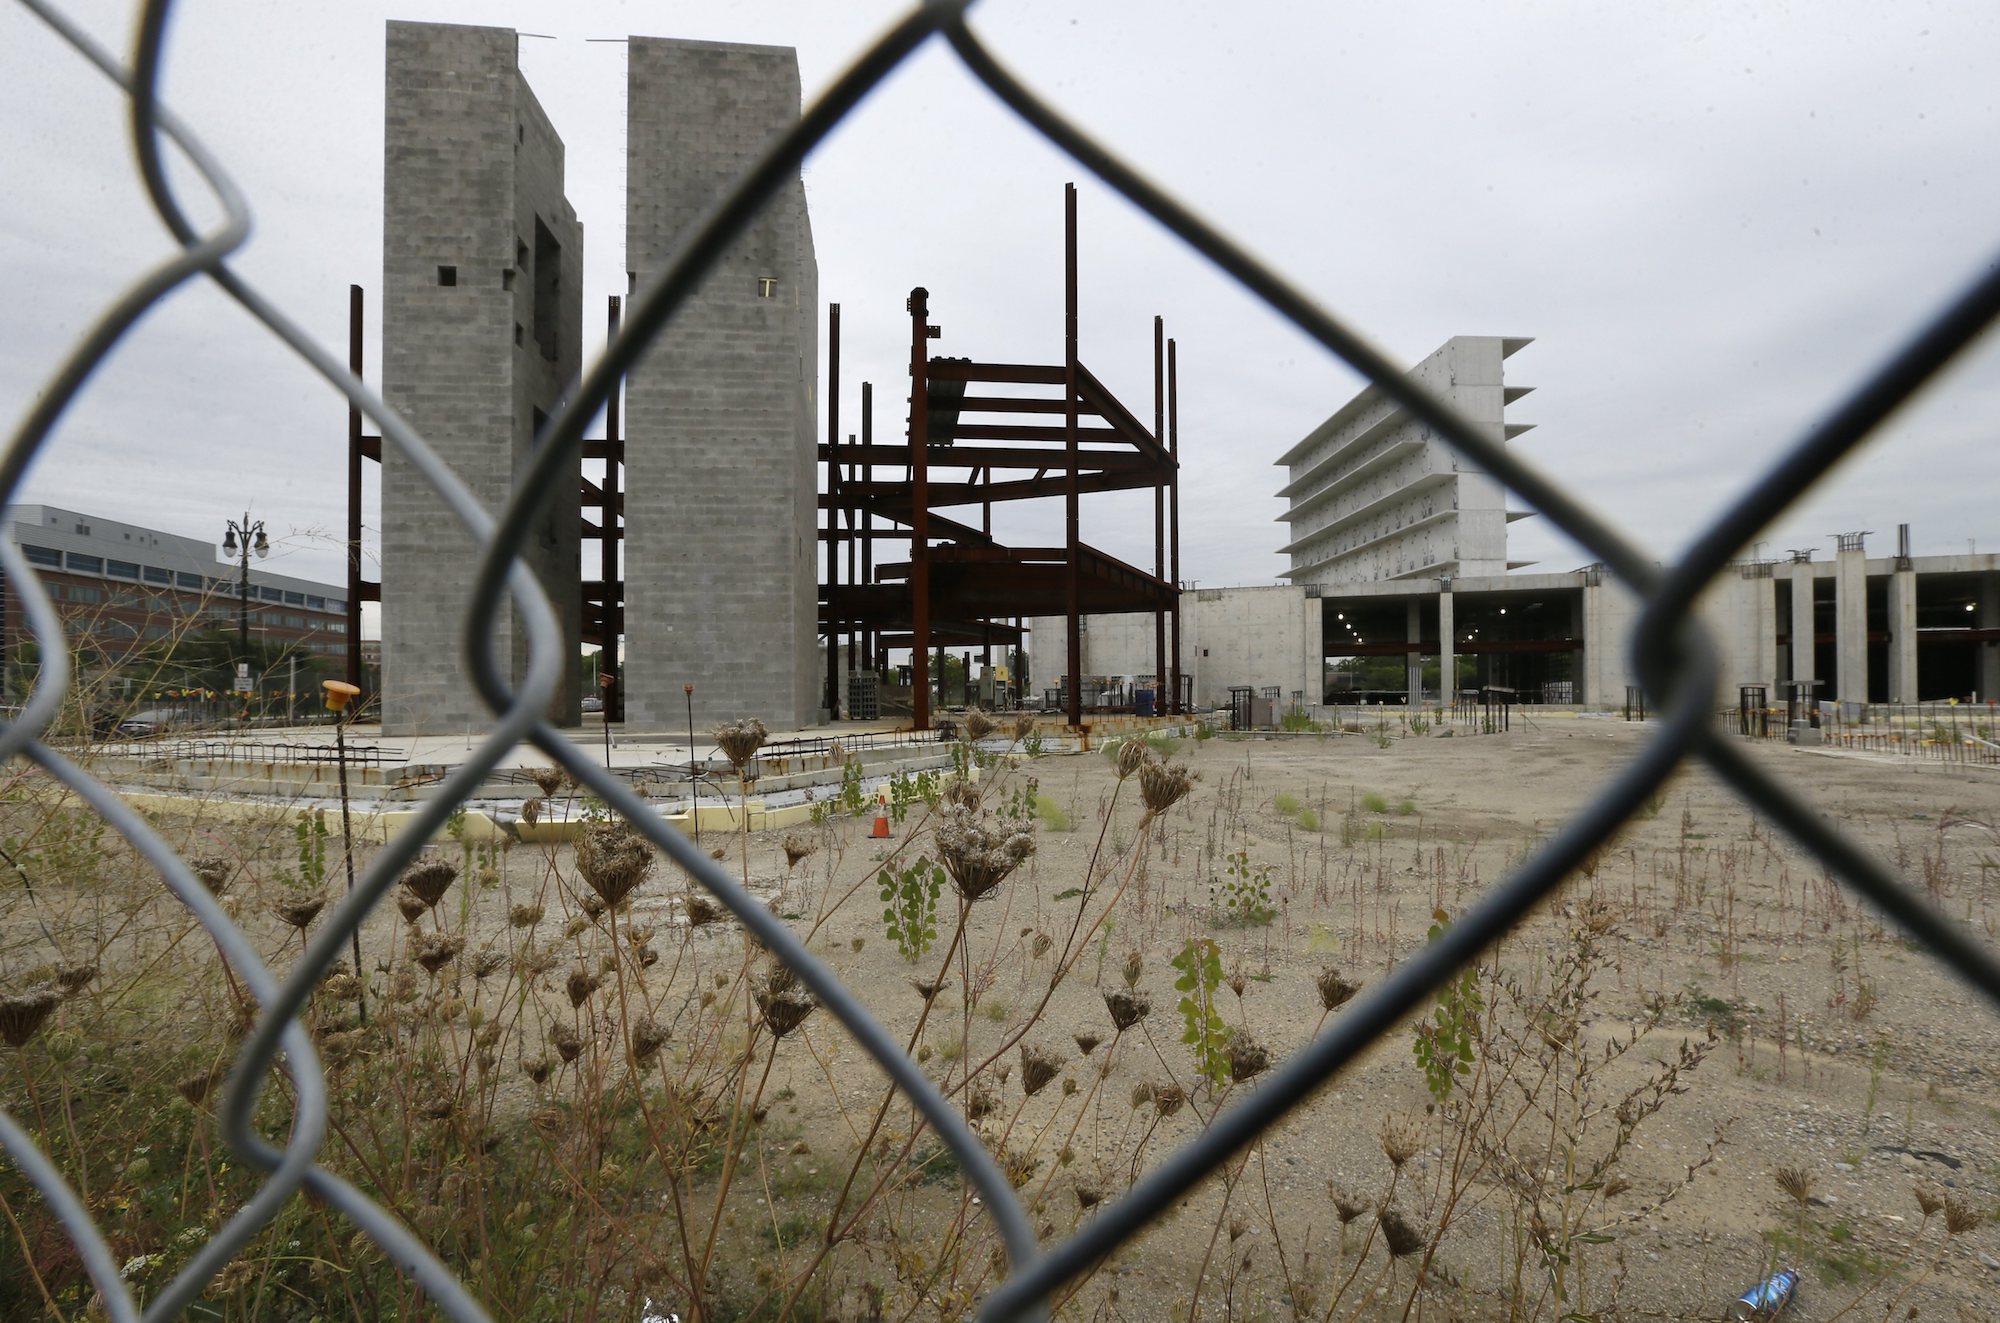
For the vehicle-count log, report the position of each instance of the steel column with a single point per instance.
(1174, 507)
(1072, 537)
(920, 561)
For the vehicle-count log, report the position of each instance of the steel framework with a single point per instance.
(958, 585)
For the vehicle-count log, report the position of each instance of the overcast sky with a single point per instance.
(1710, 217)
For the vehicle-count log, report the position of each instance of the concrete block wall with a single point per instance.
(471, 166)
(1229, 636)
(721, 518)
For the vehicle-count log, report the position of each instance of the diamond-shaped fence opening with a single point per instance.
(1675, 659)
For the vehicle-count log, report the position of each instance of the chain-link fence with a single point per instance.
(1674, 657)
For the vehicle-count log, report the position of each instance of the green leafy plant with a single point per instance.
(1032, 746)
(910, 905)
(1202, 1027)
(1419, 723)
(1444, 1047)
(1244, 897)
(850, 799)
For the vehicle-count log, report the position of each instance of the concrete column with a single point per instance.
(1313, 650)
(1903, 636)
(1413, 663)
(1989, 653)
(1850, 625)
(1802, 623)
(1447, 661)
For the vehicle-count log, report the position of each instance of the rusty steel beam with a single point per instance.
(989, 457)
(920, 582)
(1030, 374)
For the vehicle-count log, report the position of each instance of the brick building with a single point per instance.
(130, 597)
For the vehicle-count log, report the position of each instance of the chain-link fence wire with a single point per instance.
(1672, 653)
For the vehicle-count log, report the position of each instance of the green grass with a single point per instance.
(1052, 815)
(1286, 805)
(1404, 808)
(1308, 820)
(1374, 803)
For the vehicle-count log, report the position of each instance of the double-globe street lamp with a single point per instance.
(241, 539)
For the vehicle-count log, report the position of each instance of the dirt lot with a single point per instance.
(1840, 1050)
(1576, 1164)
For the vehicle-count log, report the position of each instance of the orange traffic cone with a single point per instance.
(881, 832)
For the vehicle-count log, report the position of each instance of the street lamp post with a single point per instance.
(241, 539)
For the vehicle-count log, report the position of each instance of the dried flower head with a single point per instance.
(411, 906)
(1163, 785)
(700, 909)
(1039, 945)
(342, 987)
(429, 878)
(548, 780)
(979, 1101)
(1134, 967)
(1142, 1094)
(22, 1013)
(212, 871)
(299, 911)
(1238, 981)
(564, 1039)
(1132, 755)
(798, 847)
(531, 811)
(783, 1000)
(1398, 1235)
(1929, 1198)
(1024, 726)
(592, 906)
(613, 858)
(965, 794)
(524, 916)
(1127, 1007)
(1086, 1042)
(740, 740)
(436, 950)
(978, 725)
(1960, 1217)
(979, 852)
(1168, 1098)
(928, 989)
(1796, 1182)
(1335, 991)
(1248, 1058)
(1089, 1194)
(580, 984)
(487, 962)
(1346, 1206)
(1400, 1137)
(71, 978)
(197, 1086)
(1039, 1065)
(647, 1038)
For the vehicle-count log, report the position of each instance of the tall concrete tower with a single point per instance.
(1375, 494)
(721, 450)
(482, 317)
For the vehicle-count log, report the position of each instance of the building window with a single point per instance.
(271, 594)
(84, 593)
(121, 569)
(336, 604)
(295, 599)
(154, 574)
(447, 275)
(767, 287)
(42, 555)
(547, 299)
(185, 580)
(316, 603)
(87, 564)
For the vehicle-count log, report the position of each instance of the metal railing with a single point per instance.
(1672, 655)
